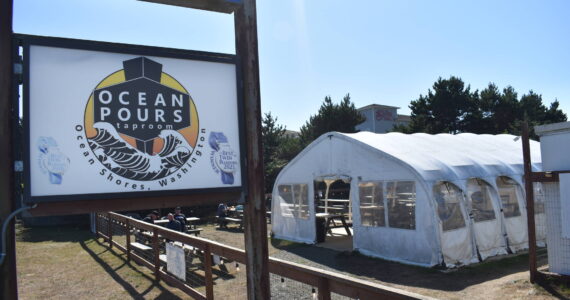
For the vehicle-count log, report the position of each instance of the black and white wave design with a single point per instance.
(127, 161)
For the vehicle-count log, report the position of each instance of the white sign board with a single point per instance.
(175, 261)
(106, 122)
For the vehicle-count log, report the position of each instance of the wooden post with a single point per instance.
(208, 273)
(255, 230)
(529, 203)
(324, 292)
(128, 233)
(96, 225)
(109, 230)
(156, 251)
(8, 283)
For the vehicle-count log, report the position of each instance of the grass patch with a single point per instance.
(496, 264)
(555, 286)
(68, 263)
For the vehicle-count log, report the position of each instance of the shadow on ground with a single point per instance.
(353, 263)
(164, 293)
(72, 234)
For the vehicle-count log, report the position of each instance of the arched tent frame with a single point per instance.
(422, 158)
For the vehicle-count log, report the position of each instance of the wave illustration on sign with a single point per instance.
(125, 160)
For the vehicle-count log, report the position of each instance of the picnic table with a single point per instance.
(230, 220)
(330, 222)
(190, 227)
(235, 212)
(165, 221)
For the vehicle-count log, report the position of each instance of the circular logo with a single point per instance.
(226, 158)
(55, 161)
(141, 123)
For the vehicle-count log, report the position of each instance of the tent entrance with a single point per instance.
(333, 207)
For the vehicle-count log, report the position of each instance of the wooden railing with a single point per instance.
(326, 282)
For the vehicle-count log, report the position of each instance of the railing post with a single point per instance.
(156, 251)
(324, 291)
(109, 230)
(128, 233)
(208, 271)
(96, 225)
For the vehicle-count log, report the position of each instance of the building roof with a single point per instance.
(376, 106)
(292, 133)
(404, 118)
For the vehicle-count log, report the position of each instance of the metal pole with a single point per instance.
(254, 217)
(529, 203)
(8, 284)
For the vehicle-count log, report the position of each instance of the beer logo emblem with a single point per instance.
(140, 122)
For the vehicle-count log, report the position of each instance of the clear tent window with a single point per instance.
(294, 200)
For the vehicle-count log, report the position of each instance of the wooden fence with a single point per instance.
(325, 283)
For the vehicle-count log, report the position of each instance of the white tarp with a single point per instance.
(420, 161)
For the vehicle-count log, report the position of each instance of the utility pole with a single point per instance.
(8, 281)
(255, 211)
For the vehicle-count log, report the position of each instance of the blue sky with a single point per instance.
(384, 52)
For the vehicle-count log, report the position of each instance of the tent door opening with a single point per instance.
(485, 219)
(333, 212)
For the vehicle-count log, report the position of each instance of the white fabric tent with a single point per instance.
(419, 199)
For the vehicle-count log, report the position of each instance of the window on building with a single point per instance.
(294, 200)
(509, 192)
(448, 198)
(480, 201)
(401, 196)
(371, 204)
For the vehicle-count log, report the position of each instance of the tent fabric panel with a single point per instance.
(487, 221)
(457, 247)
(453, 157)
(455, 228)
(299, 171)
(420, 245)
(513, 204)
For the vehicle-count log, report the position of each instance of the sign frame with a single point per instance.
(26, 41)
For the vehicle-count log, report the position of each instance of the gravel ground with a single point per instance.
(505, 278)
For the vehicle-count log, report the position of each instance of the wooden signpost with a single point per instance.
(252, 166)
(255, 223)
(8, 283)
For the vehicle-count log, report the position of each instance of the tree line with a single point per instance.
(450, 106)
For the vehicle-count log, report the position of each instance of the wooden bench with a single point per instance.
(140, 247)
(231, 220)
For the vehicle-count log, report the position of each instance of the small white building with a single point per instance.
(419, 199)
(555, 143)
(381, 118)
